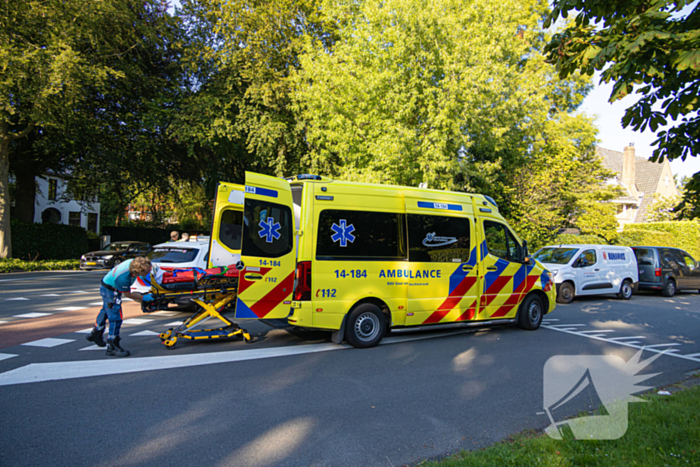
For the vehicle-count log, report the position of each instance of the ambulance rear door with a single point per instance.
(268, 253)
(227, 228)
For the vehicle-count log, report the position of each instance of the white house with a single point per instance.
(53, 204)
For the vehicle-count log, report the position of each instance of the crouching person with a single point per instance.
(116, 283)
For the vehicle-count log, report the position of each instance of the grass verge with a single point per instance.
(664, 431)
(14, 264)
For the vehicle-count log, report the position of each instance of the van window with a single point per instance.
(438, 239)
(267, 229)
(230, 228)
(501, 242)
(689, 261)
(587, 258)
(360, 235)
(645, 256)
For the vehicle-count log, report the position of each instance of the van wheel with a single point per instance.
(669, 289)
(566, 293)
(625, 290)
(531, 313)
(366, 326)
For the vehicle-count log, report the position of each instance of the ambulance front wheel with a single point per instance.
(531, 313)
(366, 326)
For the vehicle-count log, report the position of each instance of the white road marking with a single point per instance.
(15, 299)
(144, 333)
(48, 342)
(567, 325)
(174, 323)
(617, 341)
(629, 337)
(50, 295)
(40, 372)
(96, 304)
(3, 322)
(93, 347)
(550, 319)
(661, 345)
(596, 331)
(32, 315)
(76, 291)
(84, 331)
(136, 321)
(693, 355)
(9, 280)
(5, 356)
(70, 308)
(163, 313)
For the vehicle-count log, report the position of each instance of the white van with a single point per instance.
(590, 270)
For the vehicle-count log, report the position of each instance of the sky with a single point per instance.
(613, 136)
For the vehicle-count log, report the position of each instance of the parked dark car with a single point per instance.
(666, 269)
(113, 254)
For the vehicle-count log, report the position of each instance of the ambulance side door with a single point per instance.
(442, 262)
(268, 251)
(227, 227)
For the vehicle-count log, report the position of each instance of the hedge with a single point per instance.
(47, 241)
(639, 237)
(144, 234)
(680, 234)
(572, 239)
(14, 264)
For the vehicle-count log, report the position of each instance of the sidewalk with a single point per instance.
(32, 329)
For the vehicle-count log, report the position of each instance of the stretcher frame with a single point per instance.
(212, 297)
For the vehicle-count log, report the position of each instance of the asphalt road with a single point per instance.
(297, 399)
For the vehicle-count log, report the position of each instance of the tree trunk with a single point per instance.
(25, 195)
(5, 233)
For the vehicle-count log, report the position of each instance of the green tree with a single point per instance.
(646, 47)
(596, 218)
(60, 59)
(457, 96)
(664, 209)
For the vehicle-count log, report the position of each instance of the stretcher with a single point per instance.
(213, 290)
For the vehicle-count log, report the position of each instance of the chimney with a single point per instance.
(628, 175)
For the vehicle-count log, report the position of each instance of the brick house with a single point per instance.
(641, 181)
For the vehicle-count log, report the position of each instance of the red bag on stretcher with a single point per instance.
(195, 275)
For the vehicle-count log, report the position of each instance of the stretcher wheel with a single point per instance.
(246, 338)
(165, 335)
(170, 343)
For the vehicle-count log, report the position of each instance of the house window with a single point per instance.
(53, 188)
(92, 222)
(74, 218)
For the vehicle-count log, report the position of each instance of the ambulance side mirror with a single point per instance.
(525, 253)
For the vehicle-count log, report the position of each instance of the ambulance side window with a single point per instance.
(438, 239)
(360, 235)
(496, 239)
(267, 229)
(231, 228)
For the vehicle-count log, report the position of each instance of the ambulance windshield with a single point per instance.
(555, 255)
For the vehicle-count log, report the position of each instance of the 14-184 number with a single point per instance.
(352, 274)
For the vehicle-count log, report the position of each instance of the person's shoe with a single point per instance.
(96, 337)
(114, 349)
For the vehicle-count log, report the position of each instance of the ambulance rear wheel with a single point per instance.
(531, 313)
(366, 326)
(566, 293)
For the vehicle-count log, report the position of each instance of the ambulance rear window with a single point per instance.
(267, 229)
(360, 235)
(231, 228)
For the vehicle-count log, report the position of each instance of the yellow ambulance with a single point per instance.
(361, 259)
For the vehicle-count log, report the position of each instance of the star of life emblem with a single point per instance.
(343, 233)
(269, 230)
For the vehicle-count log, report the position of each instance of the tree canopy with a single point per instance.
(649, 48)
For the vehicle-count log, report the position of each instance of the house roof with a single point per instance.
(647, 177)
